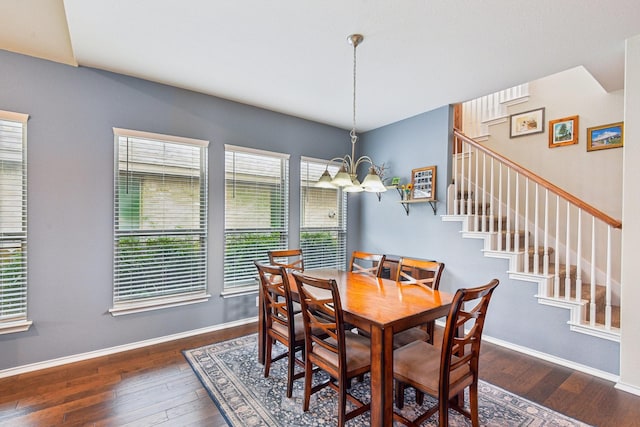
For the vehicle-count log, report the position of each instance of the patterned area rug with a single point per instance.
(233, 377)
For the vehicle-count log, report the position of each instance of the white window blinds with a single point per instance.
(323, 218)
(256, 211)
(13, 221)
(160, 212)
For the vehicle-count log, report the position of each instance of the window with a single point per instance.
(256, 211)
(13, 222)
(160, 221)
(323, 218)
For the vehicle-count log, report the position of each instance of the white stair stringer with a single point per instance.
(577, 309)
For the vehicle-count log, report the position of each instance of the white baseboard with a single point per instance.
(628, 388)
(132, 346)
(548, 357)
(554, 359)
(120, 348)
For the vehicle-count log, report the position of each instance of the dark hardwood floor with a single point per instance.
(155, 386)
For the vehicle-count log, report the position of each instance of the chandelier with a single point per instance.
(347, 176)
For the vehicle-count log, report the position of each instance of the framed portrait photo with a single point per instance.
(423, 183)
(605, 136)
(527, 123)
(563, 131)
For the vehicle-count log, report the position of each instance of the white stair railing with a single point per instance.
(551, 235)
(478, 114)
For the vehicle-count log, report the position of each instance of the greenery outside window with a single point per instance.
(13, 222)
(160, 221)
(256, 212)
(323, 218)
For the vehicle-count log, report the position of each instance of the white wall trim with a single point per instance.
(553, 359)
(550, 358)
(158, 136)
(14, 117)
(120, 348)
(12, 327)
(158, 303)
(628, 388)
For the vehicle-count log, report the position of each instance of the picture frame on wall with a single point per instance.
(526, 123)
(605, 136)
(563, 131)
(423, 183)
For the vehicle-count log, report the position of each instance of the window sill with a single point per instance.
(16, 326)
(157, 304)
(239, 291)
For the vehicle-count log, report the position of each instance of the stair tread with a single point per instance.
(484, 222)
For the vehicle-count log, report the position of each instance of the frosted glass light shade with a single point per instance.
(355, 187)
(342, 178)
(325, 180)
(373, 183)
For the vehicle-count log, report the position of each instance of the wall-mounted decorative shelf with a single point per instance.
(389, 187)
(406, 203)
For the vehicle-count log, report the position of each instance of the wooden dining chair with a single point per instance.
(291, 259)
(280, 322)
(446, 372)
(366, 263)
(419, 273)
(340, 353)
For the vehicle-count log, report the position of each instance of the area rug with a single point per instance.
(233, 377)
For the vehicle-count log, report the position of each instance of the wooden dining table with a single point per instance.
(382, 307)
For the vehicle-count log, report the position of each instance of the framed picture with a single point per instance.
(606, 136)
(563, 131)
(423, 183)
(526, 123)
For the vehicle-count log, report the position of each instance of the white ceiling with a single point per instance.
(292, 56)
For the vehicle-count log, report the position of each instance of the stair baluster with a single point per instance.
(515, 215)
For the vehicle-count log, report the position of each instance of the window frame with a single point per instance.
(19, 322)
(121, 306)
(342, 210)
(248, 283)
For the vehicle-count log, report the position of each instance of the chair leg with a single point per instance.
(268, 344)
(290, 370)
(419, 397)
(431, 331)
(443, 411)
(308, 376)
(342, 401)
(473, 404)
(399, 394)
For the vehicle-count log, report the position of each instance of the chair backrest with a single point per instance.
(276, 296)
(420, 272)
(462, 337)
(323, 319)
(291, 259)
(366, 263)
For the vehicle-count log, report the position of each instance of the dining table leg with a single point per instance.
(381, 376)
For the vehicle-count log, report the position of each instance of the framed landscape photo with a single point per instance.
(563, 131)
(605, 136)
(527, 123)
(423, 183)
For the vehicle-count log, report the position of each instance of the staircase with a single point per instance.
(549, 237)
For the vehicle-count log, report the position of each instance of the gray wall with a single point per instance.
(70, 159)
(515, 315)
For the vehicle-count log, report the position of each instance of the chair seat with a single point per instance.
(408, 336)
(358, 352)
(297, 325)
(425, 355)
